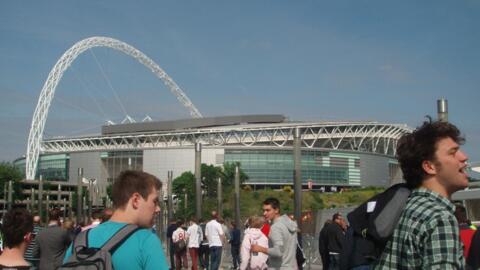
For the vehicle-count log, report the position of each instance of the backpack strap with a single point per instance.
(80, 241)
(119, 237)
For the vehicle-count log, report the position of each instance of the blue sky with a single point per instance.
(387, 61)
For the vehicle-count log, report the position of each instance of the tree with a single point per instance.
(8, 172)
(229, 173)
(181, 186)
(209, 176)
(185, 184)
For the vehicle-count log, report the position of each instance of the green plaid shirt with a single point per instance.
(426, 237)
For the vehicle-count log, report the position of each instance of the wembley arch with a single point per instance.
(41, 111)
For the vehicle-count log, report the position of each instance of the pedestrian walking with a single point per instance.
(235, 245)
(216, 238)
(282, 239)
(179, 239)
(194, 238)
(253, 235)
(204, 250)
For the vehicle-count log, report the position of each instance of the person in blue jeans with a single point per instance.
(216, 237)
(204, 251)
(235, 245)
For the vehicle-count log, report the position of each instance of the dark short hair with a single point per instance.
(336, 216)
(420, 145)
(461, 213)
(54, 214)
(129, 182)
(16, 224)
(97, 214)
(179, 222)
(273, 202)
(106, 214)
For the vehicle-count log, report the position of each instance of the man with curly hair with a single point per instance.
(434, 167)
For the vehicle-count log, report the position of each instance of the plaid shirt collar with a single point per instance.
(434, 197)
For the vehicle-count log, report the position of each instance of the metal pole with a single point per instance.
(10, 191)
(84, 214)
(47, 208)
(160, 216)
(198, 180)
(64, 208)
(70, 205)
(89, 198)
(79, 196)
(170, 196)
(219, 197)
(186, 204)
(297, 177)
(237, 196)
(33, 200)
(40, 199)
(442, 110)
(59, 194)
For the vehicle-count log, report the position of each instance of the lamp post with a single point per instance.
(219, 197)
(92, 182)
(79, 195)
(170, 196)
(237, 196)
(198, 181)
(297, 175)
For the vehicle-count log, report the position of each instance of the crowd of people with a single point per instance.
(432, 232)
(269, 241)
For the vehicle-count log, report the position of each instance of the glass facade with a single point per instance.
(50, 167)
(115, 162)
(276, 166)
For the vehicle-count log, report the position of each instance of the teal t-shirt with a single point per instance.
(141, 251)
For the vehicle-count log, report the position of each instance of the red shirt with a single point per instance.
(466, 234)
(265, 229)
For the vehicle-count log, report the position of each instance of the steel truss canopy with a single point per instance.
(369, 137)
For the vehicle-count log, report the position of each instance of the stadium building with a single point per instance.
(333, 154)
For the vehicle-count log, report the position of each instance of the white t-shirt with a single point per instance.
(178, 235)
(194, 235)
(214, 231)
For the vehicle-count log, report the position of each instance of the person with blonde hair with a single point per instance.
(253, 235)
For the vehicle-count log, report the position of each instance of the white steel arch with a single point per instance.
(48, 90)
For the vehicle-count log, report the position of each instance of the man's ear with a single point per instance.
(429, 167)
(136, 200)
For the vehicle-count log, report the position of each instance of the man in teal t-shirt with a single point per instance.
(135, 198)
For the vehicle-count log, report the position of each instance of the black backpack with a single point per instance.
(371, 226)
(89, 258)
